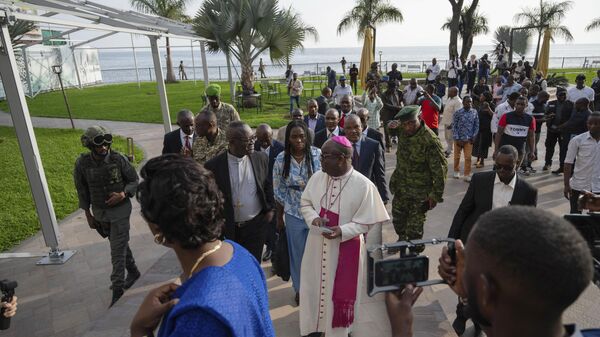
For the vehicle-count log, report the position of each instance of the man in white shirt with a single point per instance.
(341, 90)
(295, 90)
(244, 178)
(411, 92)
(452, 104)
(502, 109)
(584, 155)
(489, 190)
(432, 71)
(581, 91)
(454, 66)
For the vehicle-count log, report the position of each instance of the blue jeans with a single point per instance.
(297, 232)
(292, 99)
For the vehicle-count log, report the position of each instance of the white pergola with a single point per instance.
(78, 15)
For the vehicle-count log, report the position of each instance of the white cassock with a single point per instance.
(359, 207)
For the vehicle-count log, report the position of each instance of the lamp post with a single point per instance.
(57, 69)
(380, 52)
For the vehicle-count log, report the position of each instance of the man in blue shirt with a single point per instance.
(465, 126)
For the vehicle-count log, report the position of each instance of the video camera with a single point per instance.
(8, 291)
(390, 274)
(589, 227)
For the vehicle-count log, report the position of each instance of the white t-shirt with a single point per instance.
(435, 71)
(453, 67)
(573, 94)
(584, 151)
(501, 109)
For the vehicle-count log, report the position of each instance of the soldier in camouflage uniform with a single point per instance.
(226, 113)
(211, 139)
(418, 180)
(105, 180)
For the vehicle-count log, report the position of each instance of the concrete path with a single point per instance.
(72, 300)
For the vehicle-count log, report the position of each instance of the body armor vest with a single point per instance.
(103, 178)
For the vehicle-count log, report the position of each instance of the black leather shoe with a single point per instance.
(459, 325)
(117, 293)
(267, 255)
(559, 171)
(131, 278)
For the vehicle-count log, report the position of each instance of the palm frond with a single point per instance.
(595, 24)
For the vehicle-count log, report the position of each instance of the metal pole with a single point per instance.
(563, 63)
(27, 74)
(9, 73)
(193, 62)
(62, 88)
(160, 83)
(137, 72)
(204, 65)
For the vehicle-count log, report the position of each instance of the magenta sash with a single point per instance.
(346, 276)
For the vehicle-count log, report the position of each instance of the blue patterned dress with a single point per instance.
(288, 192)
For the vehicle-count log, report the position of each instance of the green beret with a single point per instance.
(408, 112)
(213, 90)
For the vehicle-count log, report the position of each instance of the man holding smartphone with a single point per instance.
(510, 295)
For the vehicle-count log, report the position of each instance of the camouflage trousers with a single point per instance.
(408, 217)
(120, 253)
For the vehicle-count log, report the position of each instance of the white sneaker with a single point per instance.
(468, 178)
(456, 175)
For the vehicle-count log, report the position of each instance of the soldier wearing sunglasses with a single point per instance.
(105, 180)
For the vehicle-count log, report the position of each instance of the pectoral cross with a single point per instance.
(238, 205)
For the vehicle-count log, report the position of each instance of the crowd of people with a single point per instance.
(222, 191)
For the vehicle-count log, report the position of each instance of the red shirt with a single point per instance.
(429, 115)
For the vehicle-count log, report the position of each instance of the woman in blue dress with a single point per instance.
(223, 291)
(291, 171)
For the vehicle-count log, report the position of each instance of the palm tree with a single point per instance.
(18, 29)
(370, 14)
(244, 29)
(470, 25)
(548, 14)
(595, 24)
(171, 9)
(520, 39)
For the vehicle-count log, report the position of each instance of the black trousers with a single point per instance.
(251, 235)
(271, 233)
(553, 138)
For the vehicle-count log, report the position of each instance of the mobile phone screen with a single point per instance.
(401, 271)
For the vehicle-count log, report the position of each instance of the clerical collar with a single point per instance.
(235, 159)
(343, 176)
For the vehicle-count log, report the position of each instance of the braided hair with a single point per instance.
(287, 156)
(182, 199)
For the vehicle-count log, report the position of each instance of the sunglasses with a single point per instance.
(103, 139)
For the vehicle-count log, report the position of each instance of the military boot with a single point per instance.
(117, 293)
(132, 276)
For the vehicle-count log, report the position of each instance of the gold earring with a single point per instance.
(159, 239)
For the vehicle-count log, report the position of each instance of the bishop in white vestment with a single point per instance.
(348, 204)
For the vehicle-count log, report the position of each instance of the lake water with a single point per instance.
(117, 64)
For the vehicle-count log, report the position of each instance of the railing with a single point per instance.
(124, 75)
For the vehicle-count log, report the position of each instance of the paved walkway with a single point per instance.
(72, 299)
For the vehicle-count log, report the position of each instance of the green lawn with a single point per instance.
(58, 148)
(127, 102)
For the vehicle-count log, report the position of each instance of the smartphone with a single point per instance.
(401, 271)
(324, 230)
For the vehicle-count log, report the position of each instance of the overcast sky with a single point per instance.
(421, 26)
